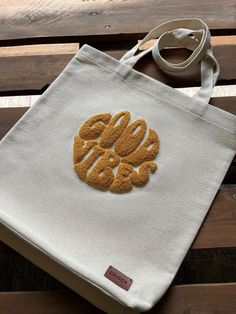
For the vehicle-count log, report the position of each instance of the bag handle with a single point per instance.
(192, 34)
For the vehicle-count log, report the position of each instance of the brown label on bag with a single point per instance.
(118, 278)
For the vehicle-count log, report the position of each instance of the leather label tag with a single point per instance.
(118, 278)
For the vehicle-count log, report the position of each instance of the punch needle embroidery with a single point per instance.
(110, 153)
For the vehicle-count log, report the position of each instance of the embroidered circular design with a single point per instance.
(110, 153)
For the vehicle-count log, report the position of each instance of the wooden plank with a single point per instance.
(34, 67)
(58, 302)
(215, 41)
(84, 18)
(39, 50)
(211, 265)
(225, 103)
(219, 227)
(23, 66)
(223, 40)
(9, 117)
(201, 298)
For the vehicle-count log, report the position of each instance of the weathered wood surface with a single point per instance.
(100, 19)
(202, 298)
(55, 302)
(215, 41)
(219, 227)
(199, 299)
(34, 67)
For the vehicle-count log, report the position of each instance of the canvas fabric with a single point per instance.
(146, 232)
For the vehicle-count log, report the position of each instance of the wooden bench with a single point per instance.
(37, 40)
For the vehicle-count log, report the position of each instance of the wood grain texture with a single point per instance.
(219, 227)
(34, 67)
(225, 103)
(215, 41)
(211, 265)
(83, 18)
(39, 50)
(54, 302)
(9, 117)
(201, 298)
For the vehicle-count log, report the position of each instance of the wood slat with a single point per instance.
(219, 227)
(225, 103)
(211, 265)
(8, 117)
(34, 67)
(55, 302)
(200, 298)
(39, 50)
(215, 41)
(103, 18)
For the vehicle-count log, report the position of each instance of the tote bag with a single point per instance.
(107, 178)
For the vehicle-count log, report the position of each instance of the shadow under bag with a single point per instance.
(106, 180)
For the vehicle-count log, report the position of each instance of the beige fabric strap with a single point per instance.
(192, 34)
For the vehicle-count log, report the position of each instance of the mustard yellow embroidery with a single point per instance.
(145, 152)
(83, 167)
(101, 176)
(94, 126)
(81, 148)
(142, 177)
(112, 132)
(122, 182)
(130, 138)
(109, 154)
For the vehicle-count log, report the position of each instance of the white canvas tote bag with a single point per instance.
(107, 178)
